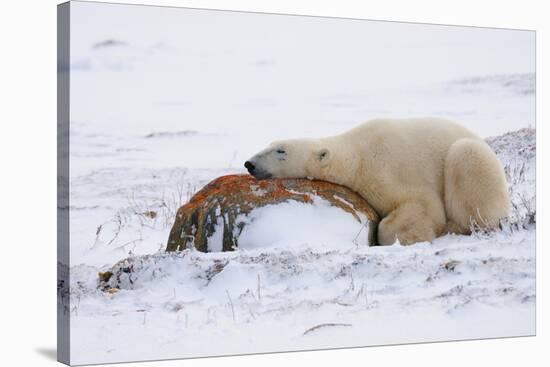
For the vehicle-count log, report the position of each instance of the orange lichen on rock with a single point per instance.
(224, 199)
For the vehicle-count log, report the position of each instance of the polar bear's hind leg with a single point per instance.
(476, 192)
(411, 222)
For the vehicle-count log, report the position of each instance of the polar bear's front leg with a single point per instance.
(412, 222)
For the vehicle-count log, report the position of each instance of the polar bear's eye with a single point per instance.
(281, 151)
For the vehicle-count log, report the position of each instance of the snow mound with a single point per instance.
(515, 145)
(291, 224)
(517, 152)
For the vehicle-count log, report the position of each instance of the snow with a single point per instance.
(293, 224)
(159, 111)
(180, 305)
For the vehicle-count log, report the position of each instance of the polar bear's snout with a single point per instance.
(256, 171)
(249, 166)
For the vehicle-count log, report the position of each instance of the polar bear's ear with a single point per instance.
(323, 155)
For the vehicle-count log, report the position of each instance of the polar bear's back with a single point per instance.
(411, 131)
(401, 156)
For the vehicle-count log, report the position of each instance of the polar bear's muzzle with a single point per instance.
(256, 171)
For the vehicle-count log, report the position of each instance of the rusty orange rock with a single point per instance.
(226, 198)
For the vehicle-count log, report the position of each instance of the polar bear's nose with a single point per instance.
(249, 166)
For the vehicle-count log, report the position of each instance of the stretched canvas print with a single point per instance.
(234, 183)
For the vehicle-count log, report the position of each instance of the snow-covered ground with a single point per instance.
(165, 100)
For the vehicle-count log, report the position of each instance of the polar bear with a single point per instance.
(425, 176)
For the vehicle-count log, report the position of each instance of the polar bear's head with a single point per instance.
(298, 158)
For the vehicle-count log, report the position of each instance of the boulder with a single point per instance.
(225, 200)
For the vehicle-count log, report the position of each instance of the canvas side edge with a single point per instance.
(63, 258)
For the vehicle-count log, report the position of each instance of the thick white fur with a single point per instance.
(425, 177)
